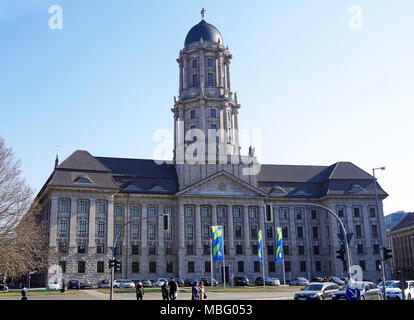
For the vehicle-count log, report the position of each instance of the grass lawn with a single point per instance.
(12, 293)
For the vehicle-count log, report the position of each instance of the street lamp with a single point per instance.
(379, 229)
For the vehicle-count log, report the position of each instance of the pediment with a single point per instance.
(222, 184)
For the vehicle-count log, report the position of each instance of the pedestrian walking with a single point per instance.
(140, 291)
(173, 289)
(24, 293)
(165, 291)
(195, 292)
(202, 291)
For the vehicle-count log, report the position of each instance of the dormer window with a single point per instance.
(133, 187)
(301, 193)
(158, 188)
(83, 179)
(355, 189)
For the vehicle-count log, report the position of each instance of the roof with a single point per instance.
(203, 30)
(407, 222)
(301, 181)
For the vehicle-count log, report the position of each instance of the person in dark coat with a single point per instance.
(195, 292)
(173, 289)
(24, 293)
(140, 291)
(63, 288)
(165, 291)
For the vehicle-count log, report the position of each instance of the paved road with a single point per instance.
(96, 295)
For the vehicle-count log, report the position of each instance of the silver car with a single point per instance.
(300, 281)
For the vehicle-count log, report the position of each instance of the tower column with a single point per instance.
(228, 75)
(185, 71)
(214, 215)
(230, 232)
(246, 228)
(236, 131)
(198, 227)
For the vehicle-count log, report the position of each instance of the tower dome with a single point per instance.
(203, 30)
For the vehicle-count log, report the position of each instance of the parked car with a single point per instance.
(4, 288)
(268, 281)
(317, 291)
(123, 283)
(241, 281)
(160, 282)
(189, 282)
(394, 292)
(84, 285)
(104, 284)
(369, 291)
(317, 279)
(338, 281)
(180, 282)
(276, 281)
(74, 284)
(207, 281)
(54, 285)
(388, 283)
(145, 283)
(299, 281)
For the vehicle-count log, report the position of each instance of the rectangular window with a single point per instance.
(285, 233)
(313, 213)
(358, 230)
(287, 266)
(315, 232)
(135, 267)
(152, 250)
(256, 266)
(63, 227)
(82, 227)
(270, 250)
(298, 213)
(118, 249)
(210, 79)
(213, 113)
(169, 267)
(283, 213)
(62, 265)
(135, 230)
(236, 211)
(207, 266)
(100, 267)
(135, 249)
(209, 62)
(377, 265)
(255, 248)
(152, 267)
(64, 205)
(117, 229)
(135, 211)
(206, 249)
(360, 248)
(301, 250)
(189, 211)
(253, 232)
(81, 247)
(63, 246)
(372, 212)
(205, 212)
(374, 230)
(169, 250)
(189, 230)
(239, 249)
(362, 265)
(272, 266)
(340, 212)
(195, 80)
(83, 206)
(238, 231)
(318, 266)
(168, 234)
(285, 250)
(303, 266)
(252, 213)
(315, 250)
(221, 212)
(81, 266)
(151, 231)
(376, 249)
(151, 212)
(206, 231)
(100, 207)
(240, 266)
(101, 228)
(269, 232)
(356, 212)
(195, 63)
(190, 267)
(190, 249)
(118, 211)
(100, 247)
(300, 232)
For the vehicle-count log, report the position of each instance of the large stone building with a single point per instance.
(87, 199)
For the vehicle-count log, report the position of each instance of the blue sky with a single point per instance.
(319, 91)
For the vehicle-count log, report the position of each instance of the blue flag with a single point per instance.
(217, 243)
(260, 249)
(279, 245)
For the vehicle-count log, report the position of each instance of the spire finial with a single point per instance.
(203, 11)
(57, 156)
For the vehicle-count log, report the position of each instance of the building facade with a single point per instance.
(87, 199)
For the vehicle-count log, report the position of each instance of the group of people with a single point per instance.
(169, 290)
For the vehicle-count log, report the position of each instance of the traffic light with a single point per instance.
(165, 222)
(341, 253)
(268, 213)
(111, 263)
(117, 265)
(387, 253)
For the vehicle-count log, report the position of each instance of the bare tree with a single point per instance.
(22, 238)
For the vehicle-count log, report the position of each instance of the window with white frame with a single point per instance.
(101, 228)
(205, 212)
(189, 230)
(63, 227)
(151, 230)
(135, 230)
(83, 206)
(253, 212)
(236, 212)
(221, 212)
(151, 212)
(100, 206)
(189, 211)
(135, 211)
(118, 211)
(64, 205)
(82, 226)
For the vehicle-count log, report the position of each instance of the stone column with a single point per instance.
(230, 231)
(110, 224)
(202, 68)
(92, 225)
(262, 227)
(53, 221)
(181, 76)
(144, 231)
(214, 215)
(160, 231)
(228, 75)
(367, 229)
(185, 72)
(246, 233)
(198, 228)
(181, 240)
(73, 222)
(236, 130)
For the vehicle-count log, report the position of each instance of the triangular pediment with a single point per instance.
(223, 184)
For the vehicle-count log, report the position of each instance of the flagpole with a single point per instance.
(264, 282)
(224, 269)
(211, 263)
(284, 274)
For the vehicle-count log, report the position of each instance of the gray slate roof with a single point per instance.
(148, 177)
(407, 222)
